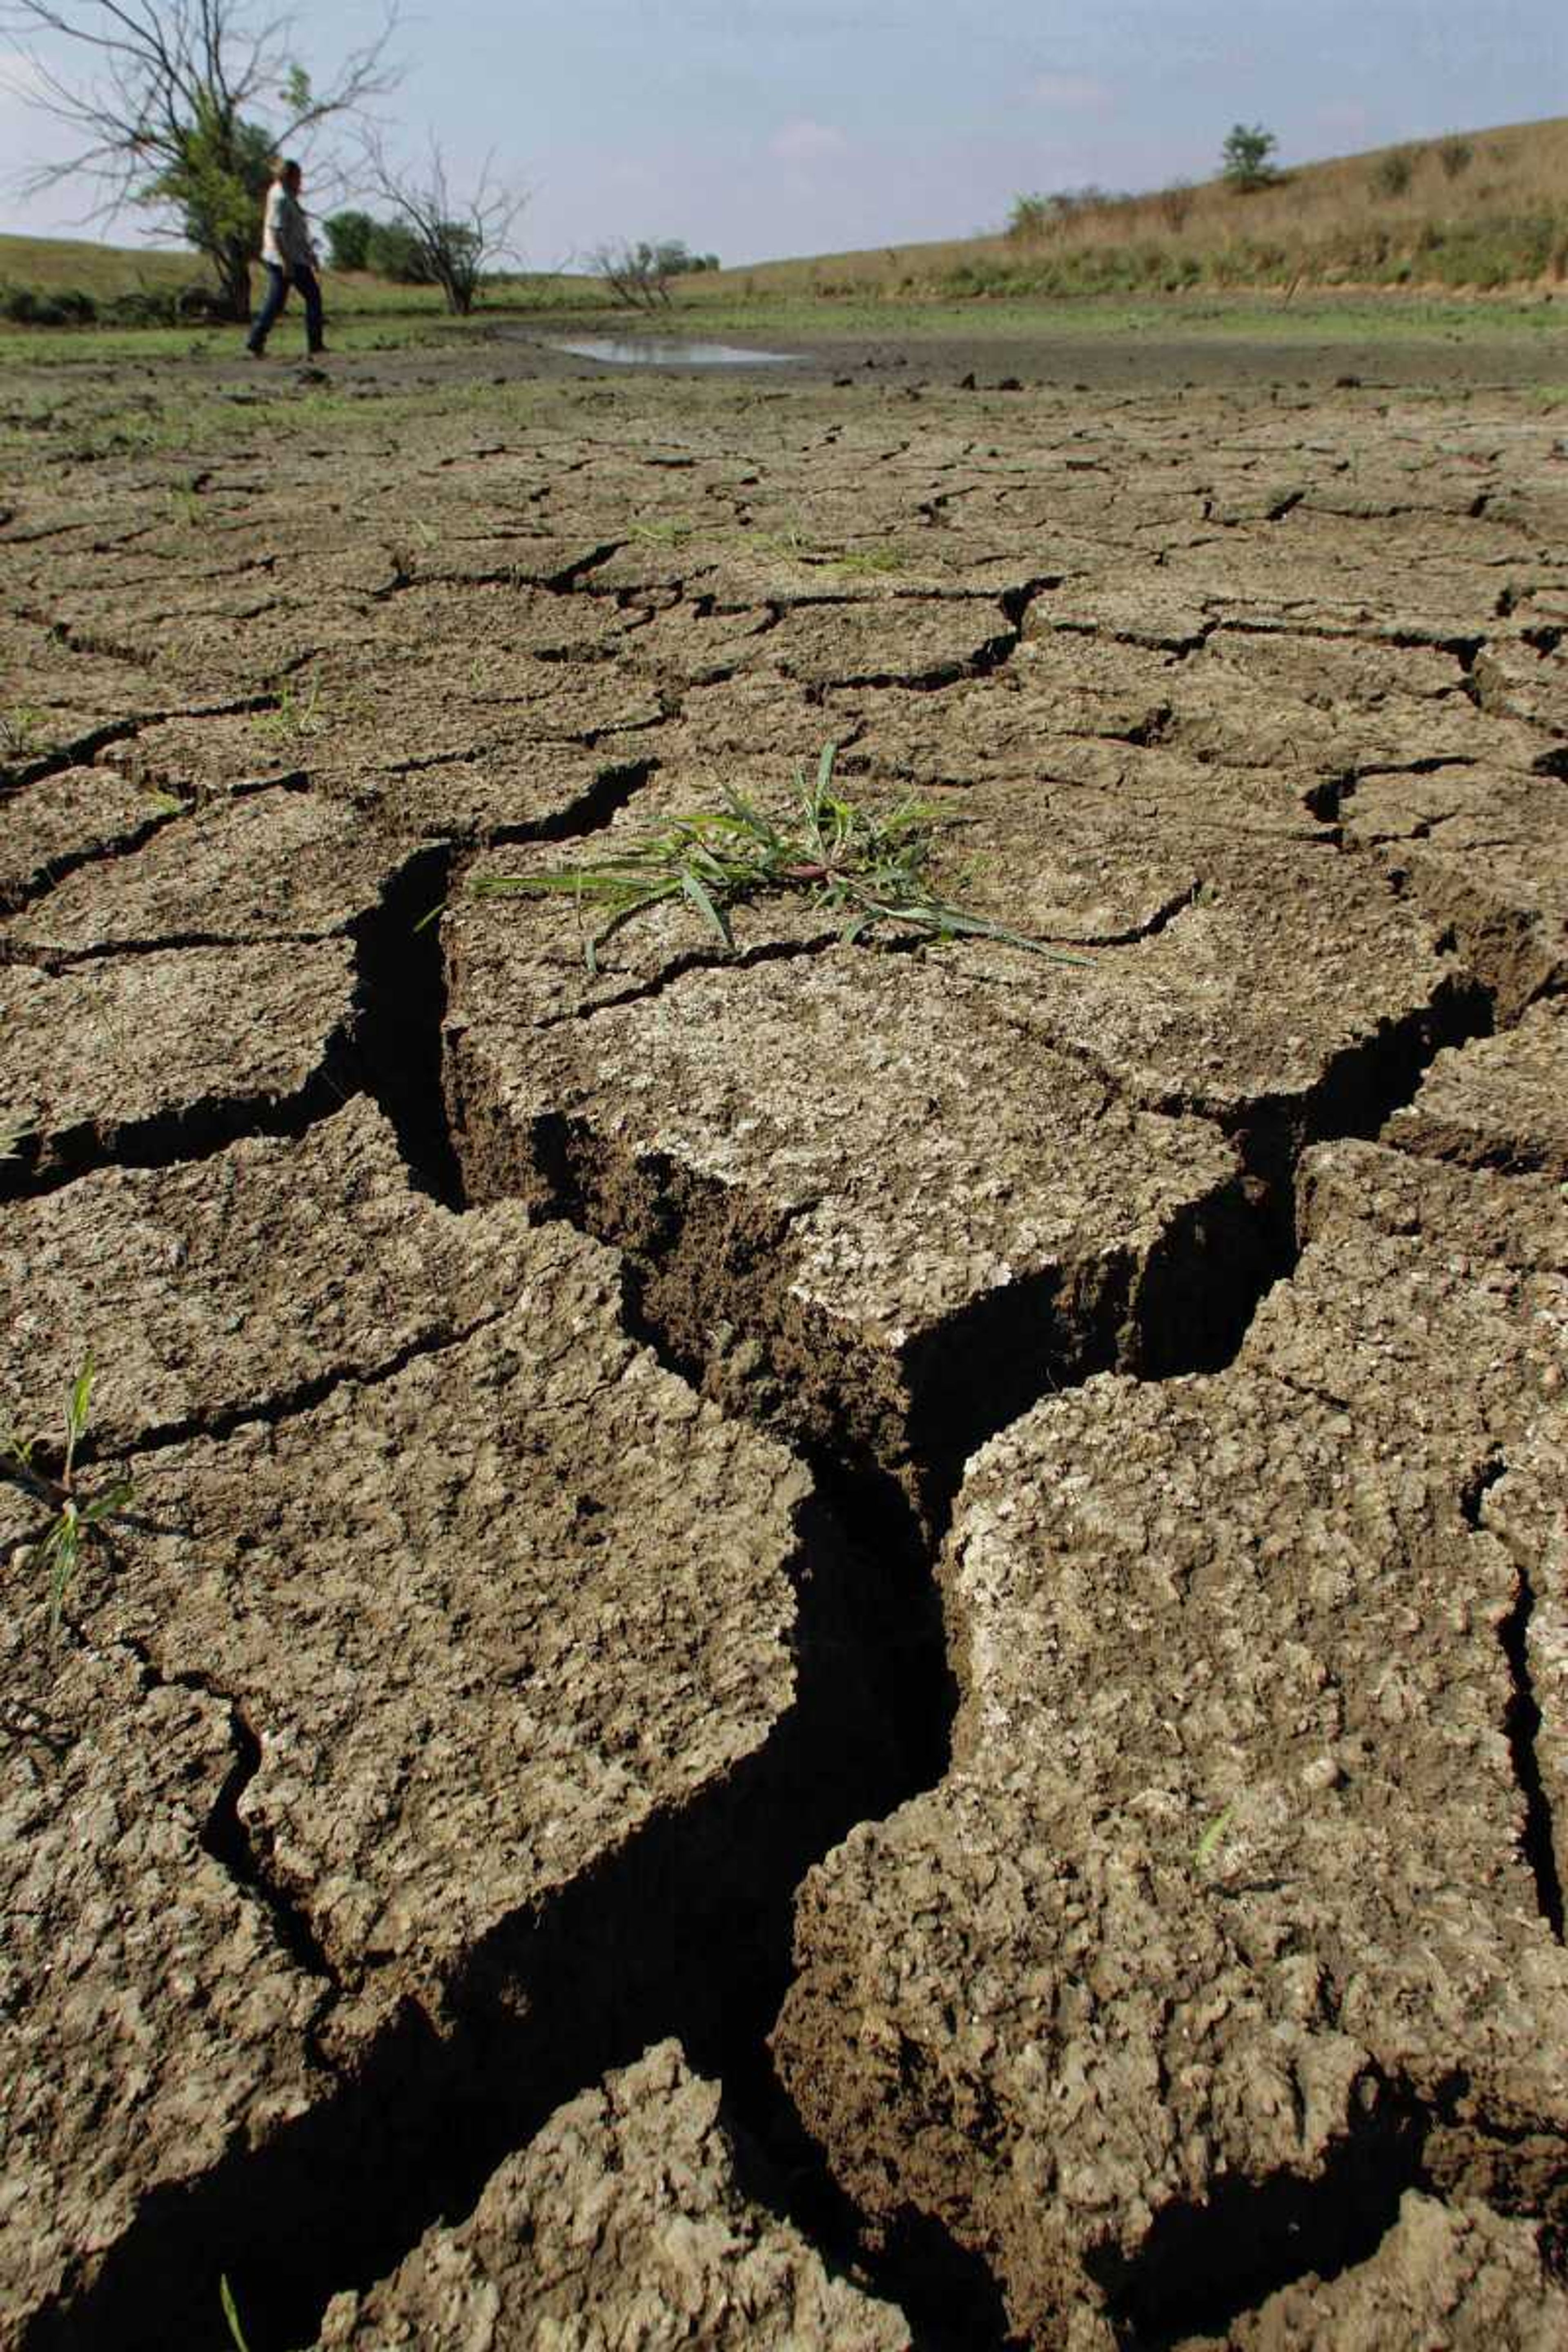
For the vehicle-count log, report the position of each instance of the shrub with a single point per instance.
(1455, 155)
(1243, 158)
(1176, 204)
(201, 306)
(348, 240)
(676, 260)
(1392, 172)
(394, 251)
(61, 306)
(146, 306)
(640, 274)
(1030, 217)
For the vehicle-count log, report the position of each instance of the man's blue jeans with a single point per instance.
(278, 284)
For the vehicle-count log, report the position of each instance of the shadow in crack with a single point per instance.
(685, 1931)
(1201, 2267)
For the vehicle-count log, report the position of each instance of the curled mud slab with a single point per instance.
(68, 820)
(1457, 2275)
(277, 864)
(907, 1222)
(995, 1520)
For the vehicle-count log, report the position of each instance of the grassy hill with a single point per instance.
(104, 271)
(1483, 209)
(1477, 211)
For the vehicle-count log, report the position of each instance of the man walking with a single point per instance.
(289, 259)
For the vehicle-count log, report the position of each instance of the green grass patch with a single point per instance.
(862, 869)
(1214, 313)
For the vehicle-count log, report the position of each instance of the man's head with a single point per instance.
(288, 172)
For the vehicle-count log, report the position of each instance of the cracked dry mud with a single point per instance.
(848, 1645)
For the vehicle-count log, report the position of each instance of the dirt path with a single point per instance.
(847, 1644)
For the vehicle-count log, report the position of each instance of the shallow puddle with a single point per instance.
(669, 351)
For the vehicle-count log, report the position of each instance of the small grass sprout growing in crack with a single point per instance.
(76, 1518)
(670, 532)
(865, 563)
(14, 1133)
(296, 714)
(21, 731)
(861, 867)
(1208, 1845)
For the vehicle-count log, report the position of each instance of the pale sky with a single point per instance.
(762, 128)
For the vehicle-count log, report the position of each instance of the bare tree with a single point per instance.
(639, 275)
(457, 237)
(179, 105)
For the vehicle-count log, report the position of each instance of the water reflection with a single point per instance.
(669, 351)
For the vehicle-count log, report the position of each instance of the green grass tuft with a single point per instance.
(864, 870)
(75, 1517)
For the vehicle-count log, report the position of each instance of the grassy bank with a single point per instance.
(1471, 212)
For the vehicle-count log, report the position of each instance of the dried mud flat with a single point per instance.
(847, 1645)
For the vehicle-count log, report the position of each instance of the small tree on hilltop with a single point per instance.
(1243, 158)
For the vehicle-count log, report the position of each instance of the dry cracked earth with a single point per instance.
(844, 1645)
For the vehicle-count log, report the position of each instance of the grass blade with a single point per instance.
(231, 2314)
(705, 907)
(78, 1409)
(1212, 1836)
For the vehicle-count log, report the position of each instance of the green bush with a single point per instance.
(395, 252)
(1392, 172)
(202, 306)
(1455, 155)
(144, 306)
(348, 239)
(1486, 254)
(61, 306)
(1030, 217)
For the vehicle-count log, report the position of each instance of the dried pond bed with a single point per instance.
(996, 1524)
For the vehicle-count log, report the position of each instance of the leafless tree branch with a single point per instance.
(459, 237)
(150, 67)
